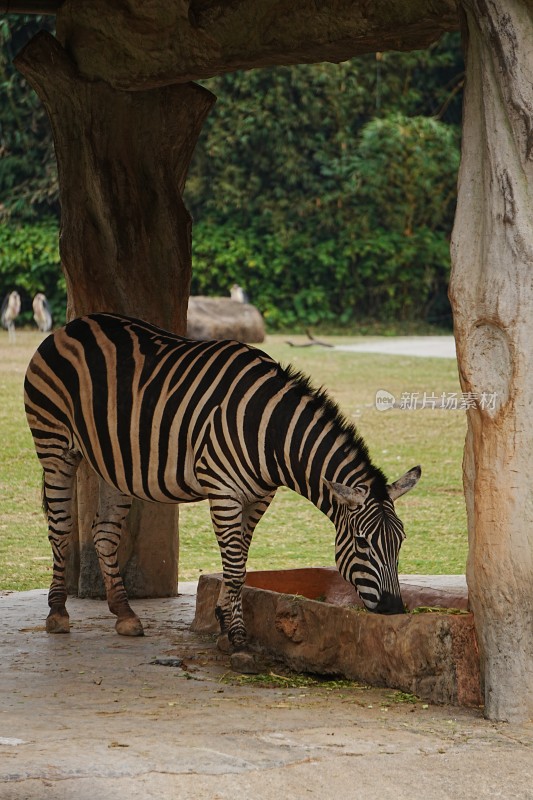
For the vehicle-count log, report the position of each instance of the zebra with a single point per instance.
(173, 420)
(42, 313)
(9, 312)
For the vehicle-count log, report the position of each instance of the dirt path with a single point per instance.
(90, 717)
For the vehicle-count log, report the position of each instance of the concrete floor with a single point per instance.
(89, 716)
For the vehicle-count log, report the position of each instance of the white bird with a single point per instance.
(238, 294)
(41, 312)
(10, 311)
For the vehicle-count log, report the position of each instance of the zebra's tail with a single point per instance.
(44, 501)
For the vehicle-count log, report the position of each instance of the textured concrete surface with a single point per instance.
(428, 346)
(326, 583)
(306, 617)
(90, 716)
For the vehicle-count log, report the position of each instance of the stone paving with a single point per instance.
(96, 716)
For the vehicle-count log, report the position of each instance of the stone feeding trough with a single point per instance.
(313, 621)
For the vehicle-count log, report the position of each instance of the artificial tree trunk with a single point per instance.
(492, 297)
(125, 246)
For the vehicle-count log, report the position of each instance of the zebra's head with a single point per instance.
(369, 537)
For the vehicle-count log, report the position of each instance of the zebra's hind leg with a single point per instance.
(113, 507)
(59, 473)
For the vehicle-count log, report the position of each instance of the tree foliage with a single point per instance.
(29, 259)
(28, 175)
(326, 190)
(381, 253)
(29, 209)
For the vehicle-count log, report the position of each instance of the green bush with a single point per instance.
(327, 191)
(386, 276)
(377, 249)
(29, 262)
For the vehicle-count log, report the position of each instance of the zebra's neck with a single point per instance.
(311, 444)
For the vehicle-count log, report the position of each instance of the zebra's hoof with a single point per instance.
(129, 626)
(58, 623)
(237, 640)
(246, 663)
(223, 643)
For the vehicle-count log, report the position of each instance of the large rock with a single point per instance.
(223, 318)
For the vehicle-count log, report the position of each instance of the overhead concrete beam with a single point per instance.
(139, 45)
(30, 6)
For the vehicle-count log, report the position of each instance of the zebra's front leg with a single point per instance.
(58, 490)
(229, 605)
(226, 516)
(113, 507)
(234, 542)
(232, 623)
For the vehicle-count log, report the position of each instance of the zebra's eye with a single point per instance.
(362, 542)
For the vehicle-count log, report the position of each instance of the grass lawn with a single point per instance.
(293, 532)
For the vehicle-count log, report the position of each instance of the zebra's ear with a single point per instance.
(351, 496)
(405, 483)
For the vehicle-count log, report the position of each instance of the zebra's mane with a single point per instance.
(332, 413)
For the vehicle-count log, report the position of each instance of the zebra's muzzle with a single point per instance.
(389, 604)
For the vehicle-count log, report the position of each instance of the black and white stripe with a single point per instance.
(172, 420)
